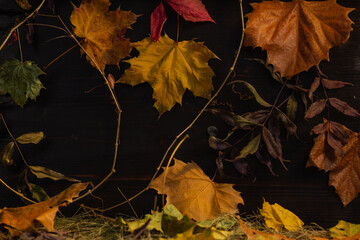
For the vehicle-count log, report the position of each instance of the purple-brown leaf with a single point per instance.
(335, 143)
(273, 148)
(331, 84)
(315, 108)
(313, 87)
(344, 107)
(218, 144)
(227, 116)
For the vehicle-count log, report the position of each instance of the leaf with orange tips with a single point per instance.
(20, 219)
(298, 34)
(193, 193)
(103, 31)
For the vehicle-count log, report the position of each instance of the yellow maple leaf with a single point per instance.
(298, 34)
(193, 193)
(26, 218)
(103, 31)
(277, 217)
(171, 68)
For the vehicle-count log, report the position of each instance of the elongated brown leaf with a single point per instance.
(313, 87)
(288, 124)
(343, 107)
(218, 144)
(43, 172)
(335, 143)
(331, 84)
(315, 108)
(272, 146)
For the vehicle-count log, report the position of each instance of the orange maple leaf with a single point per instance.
(103, 31)
(193, 193)
(26, 218)
(298, 34)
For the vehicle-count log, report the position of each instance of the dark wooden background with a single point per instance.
(80, 127)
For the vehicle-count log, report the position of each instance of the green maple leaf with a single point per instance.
(20, 80)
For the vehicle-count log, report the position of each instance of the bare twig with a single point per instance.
(231, 71)
(16, 192)
(21, 23)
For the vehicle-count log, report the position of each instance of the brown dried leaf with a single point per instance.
(272, 146)
(343, 107)
(331, 84)
(194, 193)
(315, 108)
(103, 31)
(313, 87)
(26, 218)
(346, 176)
(298, 34)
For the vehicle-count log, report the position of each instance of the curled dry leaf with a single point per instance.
(26, 218)
(218, 144)
(315, 108)
(313, 87)
(273, 147)
(289, 32)
(6, 154)
(171, 68)
(253, 234)
(103, 31)
(343, 107)
(194, 193)
(258, 98)
(24, 4)
(31, 137)
(43, 172)
(277, 218)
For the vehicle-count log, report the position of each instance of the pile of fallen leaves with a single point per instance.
(273, 222)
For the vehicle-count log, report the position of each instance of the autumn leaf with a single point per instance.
(331, 84)
(277, 218)
(298, 34)
(194, 193)
(253, 234)
(345, 229)
(26, 218)
(24, 4)
(344, 166)
(315, 108)
(346, 176)
(31, 137)
(20, 80)
(191, 10)
(6, 154)
(43, 172)
(171, 68)
(157, 20)
(343, 107)
(103, 31)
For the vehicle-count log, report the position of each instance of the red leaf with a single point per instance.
(330, 84)
(344, 107)
(313, 87)
(158, 18)
(191, 10)
(315, 108)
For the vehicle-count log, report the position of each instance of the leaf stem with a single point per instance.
(16, 192)
(20, 50)
(21, 23)
(61, 55)
(117, 105)
(178, 29)
(13, 139)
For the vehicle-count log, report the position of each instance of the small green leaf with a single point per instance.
(24, 4)
(344, 229)
(259, 99)
(38, 193)
(154, 224)
(171, 210)
(43, 172)
(250, 148)
(7, 154)
(291, 108)
(20, 80)
(31, 137)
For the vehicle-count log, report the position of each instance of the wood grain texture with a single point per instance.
(80, 127)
